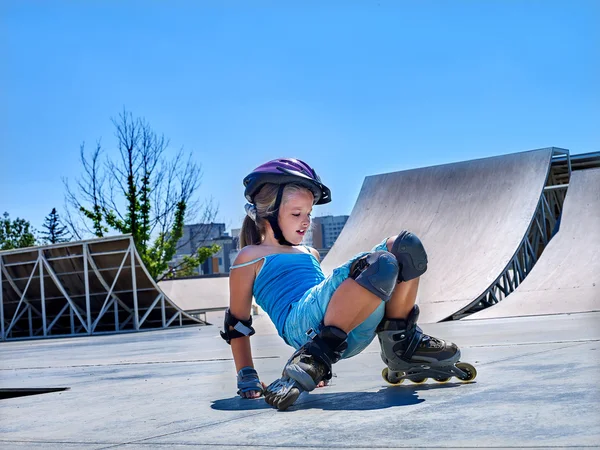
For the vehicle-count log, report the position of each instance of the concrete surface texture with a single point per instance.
(175, 388)
(567, 277)
(471, 217)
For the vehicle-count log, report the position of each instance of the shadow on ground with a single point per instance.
(339, 401)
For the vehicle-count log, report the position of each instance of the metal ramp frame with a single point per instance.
(82, 288)
(566, 279)
(540, 232)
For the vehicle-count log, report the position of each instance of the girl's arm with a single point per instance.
(241, 281)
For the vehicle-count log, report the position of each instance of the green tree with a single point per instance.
(57, 232)
(189, 265)
(139, 191)
(15, 233)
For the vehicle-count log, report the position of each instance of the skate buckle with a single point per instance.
(311, 333)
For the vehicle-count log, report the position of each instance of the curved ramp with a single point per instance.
(472, 217)
(80, 289)
(566, 278)
(198, 295)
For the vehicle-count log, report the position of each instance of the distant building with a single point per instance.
(197, 235)
(325, 231)
(200, 235)
(235, 234)
(220, 262)
(235, 246)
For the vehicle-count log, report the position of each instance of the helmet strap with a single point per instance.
(273, 218)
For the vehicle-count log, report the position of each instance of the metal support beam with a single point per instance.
(62, 289)
(116, 305)
(175, 316)
(126, 321)
(29, 315)
(92, 294)
(73, 272)
(156, 300)
(556, 186)
(12, 323)
(105, 284)
(136, 317)
(2, 337)
(162, 310)
(86, 281)
(105, 305)
(16, 318)
(42, 293)
(18, 291)
(57, 317)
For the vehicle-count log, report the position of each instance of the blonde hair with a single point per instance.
(252, 232)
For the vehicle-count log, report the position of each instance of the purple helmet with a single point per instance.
(284, 171)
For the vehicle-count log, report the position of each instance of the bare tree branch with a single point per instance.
(139, 190)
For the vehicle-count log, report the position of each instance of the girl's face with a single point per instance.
(294, 215)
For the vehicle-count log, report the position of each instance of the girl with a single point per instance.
(324, 319)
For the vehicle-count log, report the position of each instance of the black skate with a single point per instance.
(410, 354)
(308, 366)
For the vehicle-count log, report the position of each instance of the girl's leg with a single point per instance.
(404, 346)
(404, 296)
(366, 310)
(350, 305)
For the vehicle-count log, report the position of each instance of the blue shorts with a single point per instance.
(309, 311)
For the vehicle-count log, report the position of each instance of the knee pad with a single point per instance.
(410, 253)
(377, 272)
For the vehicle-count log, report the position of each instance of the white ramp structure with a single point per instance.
(484, 223)
(566, 279)
(81, 288)
(197, 296)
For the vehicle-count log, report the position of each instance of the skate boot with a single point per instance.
(308, 366)
(411, 354)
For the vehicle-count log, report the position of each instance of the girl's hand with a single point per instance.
(248, 383)
(253, 394)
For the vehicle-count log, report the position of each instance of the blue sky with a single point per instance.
(354, 88)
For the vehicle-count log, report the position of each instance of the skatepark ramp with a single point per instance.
(566, 279)
(198, 295)
(81, 288)
(484, 223)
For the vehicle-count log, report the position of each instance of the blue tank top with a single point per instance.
(282, 280)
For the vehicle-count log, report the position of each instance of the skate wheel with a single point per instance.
(418, 380)
(385, 373)
(442, 379)
(468, 369)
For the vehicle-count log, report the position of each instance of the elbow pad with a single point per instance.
(241, 328)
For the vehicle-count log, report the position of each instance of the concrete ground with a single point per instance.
(537, 388)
